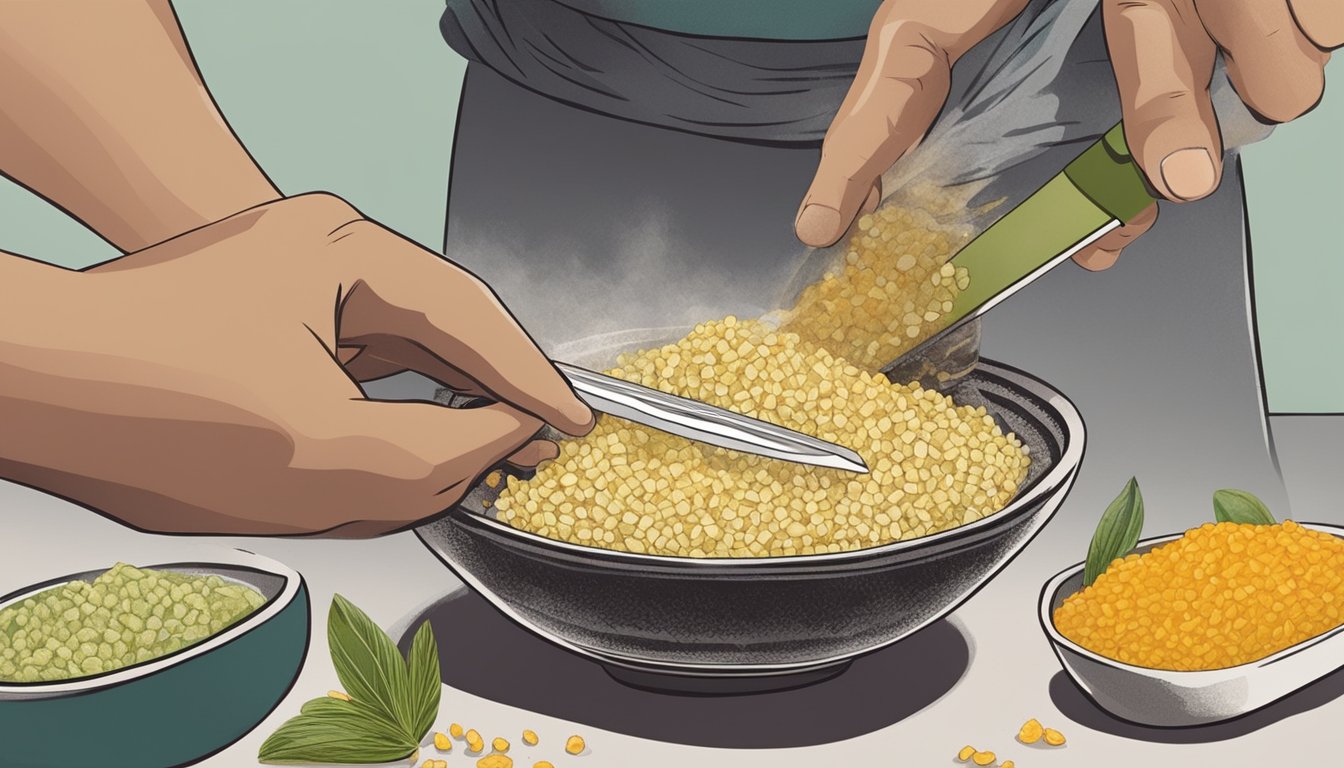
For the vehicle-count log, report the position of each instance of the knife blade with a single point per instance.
(1094, 194)
(705, 423)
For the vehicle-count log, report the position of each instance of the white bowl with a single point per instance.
(1167, 698)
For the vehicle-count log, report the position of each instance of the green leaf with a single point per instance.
(423, 664)
(369, 665)
(1117, 532)
(334, 731)
(1233, 506)
(326, 705)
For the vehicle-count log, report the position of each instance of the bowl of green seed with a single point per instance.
(158, 665)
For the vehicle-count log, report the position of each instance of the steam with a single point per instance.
(608, 277)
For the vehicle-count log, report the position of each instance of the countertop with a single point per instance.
(970, 679)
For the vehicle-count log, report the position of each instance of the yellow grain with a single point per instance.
(934, 465)
(574, 745)
(1030, 732)
(891, 291)
(1221, 595)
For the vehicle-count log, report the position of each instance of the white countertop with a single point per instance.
(910, 705)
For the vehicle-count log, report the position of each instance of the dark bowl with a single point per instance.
(176, 709)
(767, 616)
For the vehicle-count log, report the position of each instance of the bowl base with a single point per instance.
(662, 680)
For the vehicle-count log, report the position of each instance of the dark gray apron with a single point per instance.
(608, 176)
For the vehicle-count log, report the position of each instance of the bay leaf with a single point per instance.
(369, 666)
(337, 732)
(1117, 532)
(425, 682)
(1233, 506)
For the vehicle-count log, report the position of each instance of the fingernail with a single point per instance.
(818, 225)
(1189, 173)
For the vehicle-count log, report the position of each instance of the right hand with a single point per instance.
(1163, 54)
(209, 384)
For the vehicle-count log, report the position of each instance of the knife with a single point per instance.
(705, 423)
(1100, 190)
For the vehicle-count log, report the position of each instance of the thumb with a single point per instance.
(1163, 60)
(900, 87)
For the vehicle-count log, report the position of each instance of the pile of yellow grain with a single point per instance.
(1221, 595)
(934, 465)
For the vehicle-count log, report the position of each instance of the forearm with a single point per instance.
(104, 114)
(34, 297)
(82, 415)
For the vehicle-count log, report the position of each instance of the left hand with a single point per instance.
(1163, 53)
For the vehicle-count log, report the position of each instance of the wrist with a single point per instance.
(174, 212)
(38, 302)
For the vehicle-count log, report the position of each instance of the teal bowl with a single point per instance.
(177, 709)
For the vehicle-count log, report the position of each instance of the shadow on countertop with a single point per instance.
(1076, 706)
(484, 653)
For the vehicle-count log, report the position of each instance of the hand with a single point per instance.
(1163, 55)
(901, 85)
(209, 384)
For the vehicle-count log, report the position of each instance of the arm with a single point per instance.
(105, 115)
(139, 388)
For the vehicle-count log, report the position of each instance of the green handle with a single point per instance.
(1107, 174)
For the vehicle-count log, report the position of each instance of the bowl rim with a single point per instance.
(234, 559)
(1183, 677)
(1074, 432)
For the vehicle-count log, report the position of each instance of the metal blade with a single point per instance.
(705, 423)
(1045, 230)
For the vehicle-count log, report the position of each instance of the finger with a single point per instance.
(1322, 21)
(874, 198)
(435, 449)
(457, 320)
(1106, 250)
(532, 454)
(363, 365)
(902, 82)
(1163, 61)
(1278, 72)
(383, 356)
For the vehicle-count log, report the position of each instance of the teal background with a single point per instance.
(359, 98)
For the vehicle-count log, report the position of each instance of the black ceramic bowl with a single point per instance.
(650, 615)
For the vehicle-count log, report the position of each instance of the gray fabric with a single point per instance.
(755, 90)
(586, 224)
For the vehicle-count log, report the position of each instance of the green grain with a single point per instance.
(125, 616)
